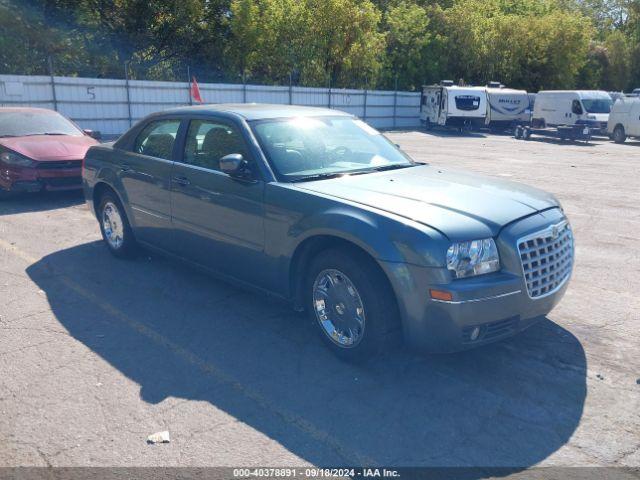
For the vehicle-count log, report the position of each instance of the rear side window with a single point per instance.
(208, 141)
(157, 139)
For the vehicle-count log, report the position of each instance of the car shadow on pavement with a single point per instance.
(39, 202)
(178, 333)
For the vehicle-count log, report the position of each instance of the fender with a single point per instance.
(98, 162)
(411, 242)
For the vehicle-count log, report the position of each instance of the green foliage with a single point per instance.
(531, 44)
(321, 41)
(408, 38)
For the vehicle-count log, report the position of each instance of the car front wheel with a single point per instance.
(115, 228)
(352, 304)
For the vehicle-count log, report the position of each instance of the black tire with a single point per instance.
(619, 135)
(128, 247)
(381, 326)
(526, 133)
(517, 133)
(428, 125)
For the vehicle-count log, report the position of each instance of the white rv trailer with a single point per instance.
(589, 108)
(450, 106)
(507, 107)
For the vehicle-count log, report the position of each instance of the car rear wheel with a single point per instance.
(115, 228)
(619, 135)
(351, 304)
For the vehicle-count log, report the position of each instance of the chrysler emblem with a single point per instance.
(555, 231)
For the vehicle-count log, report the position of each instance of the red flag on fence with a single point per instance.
(195, 90)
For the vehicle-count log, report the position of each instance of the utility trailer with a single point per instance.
(573, 133)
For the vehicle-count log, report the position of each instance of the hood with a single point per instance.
(462, 206)
(50, 147)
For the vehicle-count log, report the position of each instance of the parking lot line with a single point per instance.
(207, 368)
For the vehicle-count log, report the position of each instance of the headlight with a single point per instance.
(466, 259)
(12, 158)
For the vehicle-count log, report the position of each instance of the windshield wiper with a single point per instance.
(43, 133)
(382, 168)
(393, 166)
(320, 176)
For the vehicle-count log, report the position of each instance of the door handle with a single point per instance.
(184, 181)
(125, 167)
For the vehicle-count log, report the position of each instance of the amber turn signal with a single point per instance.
(440, 295)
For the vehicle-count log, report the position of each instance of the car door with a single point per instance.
(218, 220)
(145, 176)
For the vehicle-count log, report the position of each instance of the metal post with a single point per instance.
(329, 102)
(244, 87)
(189, 85)
(364, 117)
(290, 89)
(126, 85)
(395, 102)
(53, 83)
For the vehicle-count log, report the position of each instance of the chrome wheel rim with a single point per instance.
(339, 308)
(112, 225)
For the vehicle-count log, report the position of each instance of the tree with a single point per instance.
(333, 41)
(617, 75)
(523, 43)
(408, 36)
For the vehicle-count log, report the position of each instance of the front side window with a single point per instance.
(157, 139)
(21, 123)
(208, 141)
(576, 107)
(306, 147)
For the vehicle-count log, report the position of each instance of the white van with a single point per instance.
(451, 106)
(507, 107)
(572, 107)
(624, 119)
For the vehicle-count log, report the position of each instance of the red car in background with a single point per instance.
(40, 150)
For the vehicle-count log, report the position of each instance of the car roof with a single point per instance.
(258, 111)
(26, 110)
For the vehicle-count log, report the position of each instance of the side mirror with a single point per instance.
(95, 134)
(235, 166)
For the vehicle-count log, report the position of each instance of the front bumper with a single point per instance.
(35, 179)
(498, 304)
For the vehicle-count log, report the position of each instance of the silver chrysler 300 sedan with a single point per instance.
(315, 206)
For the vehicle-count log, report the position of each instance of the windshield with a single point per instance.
(597, 105)
(312, 147)
(23, 123)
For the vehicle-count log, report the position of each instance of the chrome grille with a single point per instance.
(547, 259)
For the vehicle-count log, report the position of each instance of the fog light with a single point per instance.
(475, 333)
